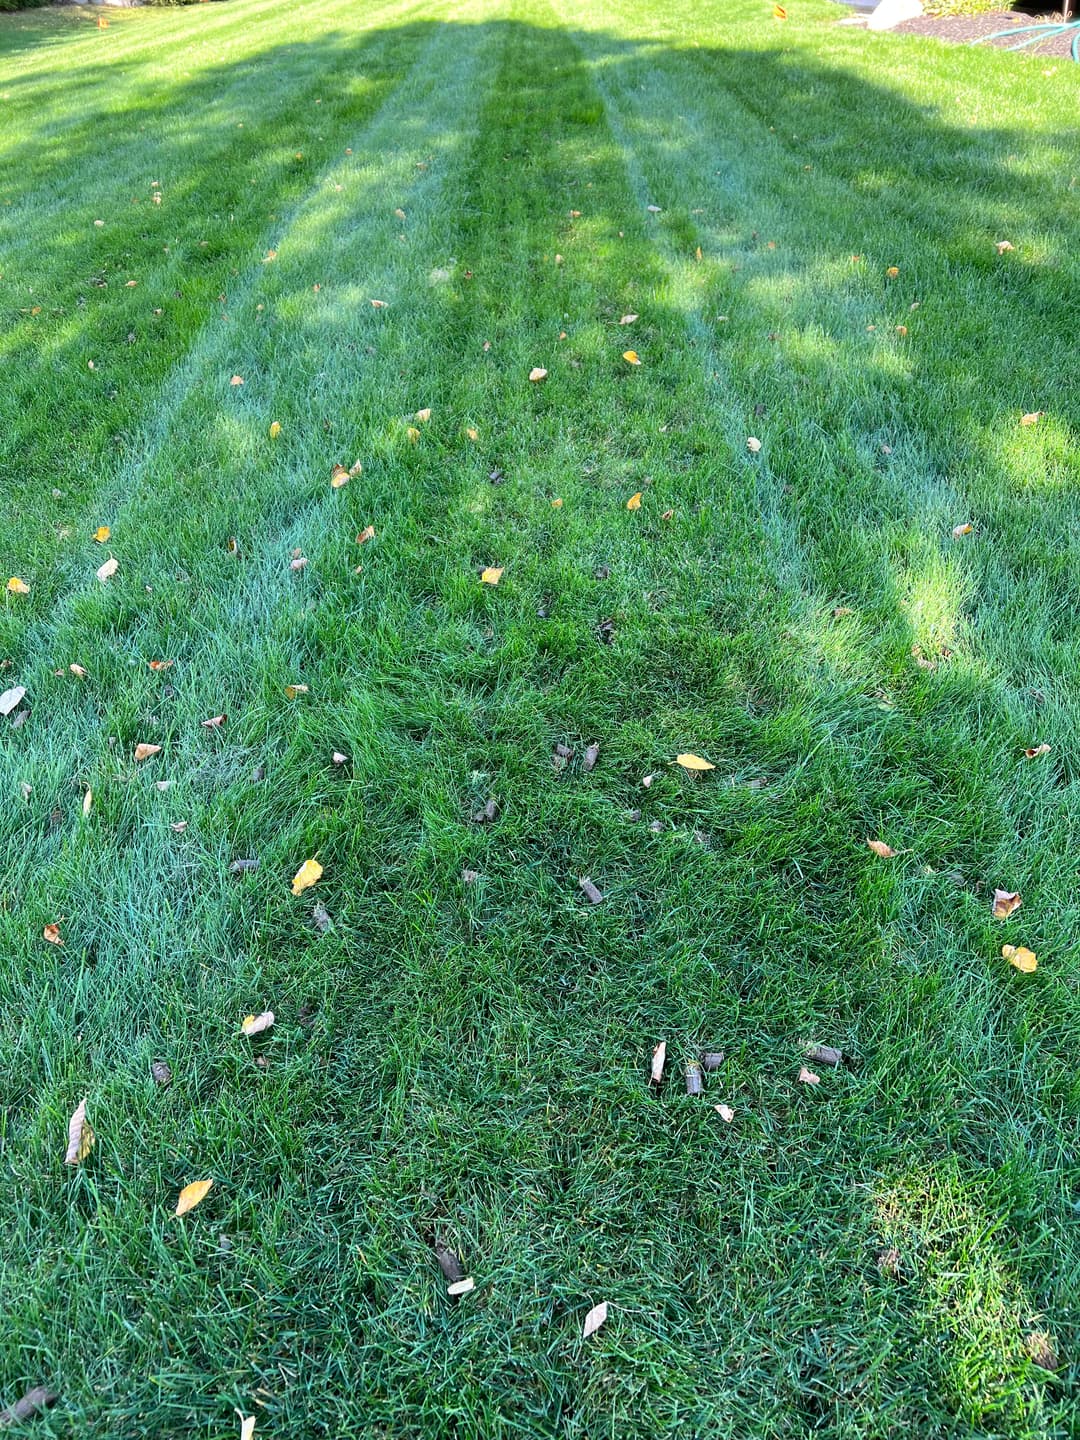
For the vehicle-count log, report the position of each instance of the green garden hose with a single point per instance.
(1043, 31)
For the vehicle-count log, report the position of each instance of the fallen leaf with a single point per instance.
(192, 1195)
(628, 320)
(10, 698)
(471, 433)
(102, 533)
(275, 429)
(807, 1077)
(247, 1426)
(291, 691)
(379, 304)
(214, 723)
(162, 1074)
(104, 572)
(87, 801)
(412, 433)
(537, 373)
(179, 826)
(1001, 246)
(693, 762)
(256, 1024)
(144, 751)
(592, 754)
(306, 876)
(656, 1069)
(492, 575)
(631, 357)
(893, 271)
(339, 758)
(462, 1286)
(236, 380)
(753, 444)
(1037, 751)
(634, 503)
(339, 476)
(824, 1055)
(368, 533)
(591, 893)
(17, 587)
(880, 848)
(1031, 418)
(668, 515)
(30, 1404)
(51, 933)
(1005, 902)
(960, 530)
(1040, 1347)
(423, 416)
(80, 1137)
(1019, 955)
(594, 1319)
(726, 1113)
(557, 503)
(159, 664)
(298, 562)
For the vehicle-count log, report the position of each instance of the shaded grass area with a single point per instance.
(468, 1060)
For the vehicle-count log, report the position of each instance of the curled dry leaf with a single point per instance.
(631, 357)
(256, 1024)
(753, 444)
(87, 801)
(79, 671)
(51, 933)
(471, 433)
(825, 1055)
(880, 848)
(80, 1137)
(292, 691)
(106, 571)
(412, 434)
(492, 575)
(893, 271)
(807, 1077)
(689, 761)
(589, 890)
(237, 380)
(192, 1195)
(537, 373)
(17, 587)
(594, 1319)
(308, 874)
(339, 758)
(379, 304)
(215, 722)
(368, 533)
(557, 503)
(1036, 751)
(11, 698)
(1005, 902)
(726, 1113)
(659, 1056)
(339, 476)
(959, 531)
(27, 1406)
(634, 503)
(1032, 417)
(1021, 957)
(144, 751)
(102, 533)
(628, 320)
(1002, 246)
(298, 562)
(159, 664)
(275, 429)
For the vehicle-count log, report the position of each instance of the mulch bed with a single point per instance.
(963, 28)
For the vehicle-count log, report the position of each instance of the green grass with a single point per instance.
(470, 1061)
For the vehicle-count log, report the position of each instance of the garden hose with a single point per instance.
(1043, 31)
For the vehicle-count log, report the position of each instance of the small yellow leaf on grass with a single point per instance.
(306, 876)
(693, 762)
(880, 848)
(893, 271)
(556, 504)
(1036, 752)
(192, 1195)
(144, 751)
(291, 691)
(102, 533)
(256, 1024)
(237, 380)
(1023, 958)
(472, 433)
(339, 476)
(634, 503)
(628, 320)
(537, 373)
(159, 664)
(80, 1137)
(423, 416)
(368, 533)
(1005, 902)
(17, 587)
(753, 444)
(1032, 417)
(275, 429)
(412, 433)
(594, 1319)
(51, 933)
(779, 13)
(960, 530)
(656, 1069)
(631, 357)
(106, 571)
(492, 575)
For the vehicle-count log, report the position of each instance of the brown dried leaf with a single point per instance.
(368, 533)
(592, 754)
(51, 933)
(1036, 752)
(960, 530)
(726, 1113)
(159, 664)
(1032, 417)
(339, 476)
(144, 751)
(879, 847)
(80, 1137)
(292, 691)
(215, 722)
(1005, 902)
(1040, 1347)
(537, 373)
(807, 1077)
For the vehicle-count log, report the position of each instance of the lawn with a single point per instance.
(795, 228)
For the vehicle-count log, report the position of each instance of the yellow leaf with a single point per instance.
(368, 533)
(492, 575)
(472, 434)
(17, 587)
(413, 434)
(291, 691)
(102, 533)
(80, 1137)
(693, 762)
(1032, 418)
(423, 416)
(631, 357)
(51, 933)
(1023, 958)
(339, 476)
(893, 271)
(192, 1195)
(306, 876)
(537, 373)
(634, 503)
(87, 801)
(880, 848)
(779, 13)
(144, 751)
(275, 429)
(556, 504)
(1005, 902)
(961, 530)
(256, 1024)
(1036, 751)
(104, 572)
(159, 664)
